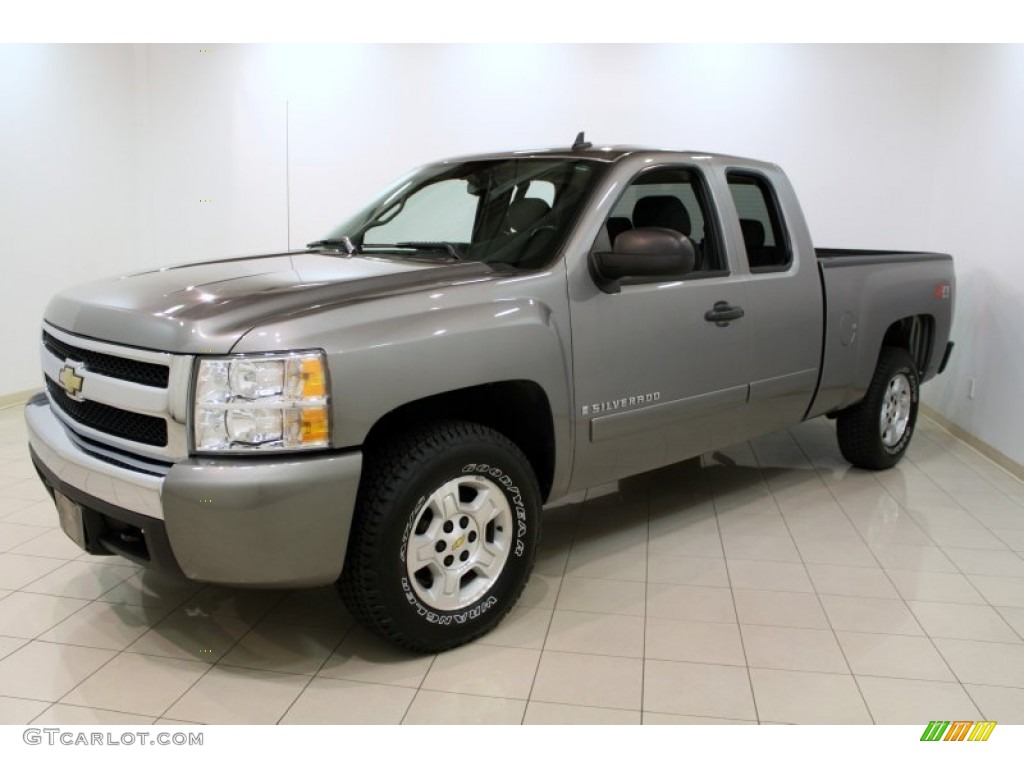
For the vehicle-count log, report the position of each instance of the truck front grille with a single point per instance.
(127, 425)
(148, 374)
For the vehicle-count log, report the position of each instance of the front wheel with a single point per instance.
(444, 536)
(875, 433)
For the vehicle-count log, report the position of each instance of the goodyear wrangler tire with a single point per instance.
(875, 434)
(444, 536)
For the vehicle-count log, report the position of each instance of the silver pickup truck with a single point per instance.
(390, 408)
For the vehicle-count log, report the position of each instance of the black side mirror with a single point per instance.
(645, 253)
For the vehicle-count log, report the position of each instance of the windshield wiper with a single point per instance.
(344, 242)
(438, 245)
(421, 245)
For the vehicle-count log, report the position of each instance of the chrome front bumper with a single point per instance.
(269, 521)
(52, 442)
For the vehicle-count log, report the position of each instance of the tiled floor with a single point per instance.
(767, 583)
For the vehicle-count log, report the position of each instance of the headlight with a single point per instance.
(261, 402)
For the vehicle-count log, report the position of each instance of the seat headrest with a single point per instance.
(662, 211)
(753, 233)
(526, 212)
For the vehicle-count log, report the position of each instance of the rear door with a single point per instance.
(657, 379)
(784, 300)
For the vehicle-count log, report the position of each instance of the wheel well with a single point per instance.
(518, 409)
(914, 334)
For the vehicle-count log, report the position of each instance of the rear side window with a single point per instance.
(760, 221)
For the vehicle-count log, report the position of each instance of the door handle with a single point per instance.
(723, 313)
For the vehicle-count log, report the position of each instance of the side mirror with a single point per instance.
(645, 252)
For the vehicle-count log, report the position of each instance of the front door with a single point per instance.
(660, 369)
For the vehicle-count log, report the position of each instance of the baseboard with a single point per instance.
(986, 450)
(16, 398)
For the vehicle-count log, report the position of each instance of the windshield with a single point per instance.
(508, 211)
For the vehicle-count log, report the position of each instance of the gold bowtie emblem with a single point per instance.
(70, 380)
(458, 542)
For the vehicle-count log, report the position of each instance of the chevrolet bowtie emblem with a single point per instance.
(71, 381)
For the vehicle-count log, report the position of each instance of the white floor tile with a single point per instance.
(913, 658)
(913, 702)
(598, 633)
(973, 661)
(81, 579)
(27, 615)
(103, 625)
(870, 614)
(703, 690)
(137, 684)
(18, 570)
(346, 702)
(15, 711)
(676, 601)
(485, 670)
(593, 681)
(522, 628)
(1004, 705)
(809, 650)
(780, 609)
(696, 641)
(759, 574)
(191, 636)
(963, 622)
(546, 713)
(437, 708)
(366, 658)
(284, 648)
(46, 671)
(935, 587)
(65, 714)
(601, 596)
(239, 697)
(812, 698)
(852, 582)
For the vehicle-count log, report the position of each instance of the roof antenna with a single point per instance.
(580, 143)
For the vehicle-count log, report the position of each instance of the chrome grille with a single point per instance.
(127, 399)
(149, 374)
(136, 427)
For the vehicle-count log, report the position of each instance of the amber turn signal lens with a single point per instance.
(315, 425)
(313, 380)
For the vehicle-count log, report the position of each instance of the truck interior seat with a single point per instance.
(524, 213)
(753, 238)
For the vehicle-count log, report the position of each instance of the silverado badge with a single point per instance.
(70, 380)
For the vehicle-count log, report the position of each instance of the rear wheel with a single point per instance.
(444, 536)
(875, 433)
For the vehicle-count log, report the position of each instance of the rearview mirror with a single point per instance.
(644, 253)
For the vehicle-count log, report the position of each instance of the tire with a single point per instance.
(875, 433)
(444, 536)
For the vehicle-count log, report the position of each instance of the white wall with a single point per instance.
(108, 151)
(978, 215)
(68, 163)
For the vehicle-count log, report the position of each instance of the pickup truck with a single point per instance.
(390, 408)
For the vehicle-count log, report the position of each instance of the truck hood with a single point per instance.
(208, 306)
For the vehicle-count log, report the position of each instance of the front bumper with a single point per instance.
(262, 521)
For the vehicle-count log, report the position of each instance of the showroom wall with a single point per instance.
(161, 154)
(978, 215)
(69, 183)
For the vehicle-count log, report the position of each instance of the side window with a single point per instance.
(760, 221)
(673, 198)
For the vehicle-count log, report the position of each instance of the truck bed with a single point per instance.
(868, 295)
